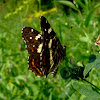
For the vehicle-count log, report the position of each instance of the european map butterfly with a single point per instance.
(44, 48)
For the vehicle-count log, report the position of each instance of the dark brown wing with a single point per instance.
(34, 41)
(53, 50)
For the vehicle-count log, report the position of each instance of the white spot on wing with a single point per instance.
(40, 63)
(33, 45)
(30, 37)
(38, 36)
(40, 58)
(41, 37)
(41, 69)
(40, 48)
(22, 31)
(50, 43)
(45, 29)
(32, 30)
(41, 55)
(49, 30)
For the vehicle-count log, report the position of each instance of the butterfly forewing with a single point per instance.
(52, 46)
(32, 38)
(46, 28)
(33, 41)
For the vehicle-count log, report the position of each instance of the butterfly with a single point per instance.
(44, 48)
(98, 41)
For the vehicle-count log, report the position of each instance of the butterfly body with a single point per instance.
(44, 48)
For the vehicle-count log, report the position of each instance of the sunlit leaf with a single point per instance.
(68, 3)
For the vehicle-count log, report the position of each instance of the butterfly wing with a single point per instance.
(52, 47)
(34, 42)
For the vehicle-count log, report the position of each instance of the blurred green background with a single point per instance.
(76, 23)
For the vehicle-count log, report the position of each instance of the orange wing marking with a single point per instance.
(32, 50)
(37, 68)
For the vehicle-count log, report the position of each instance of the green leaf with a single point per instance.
(50, 97)
(26, 91)
(2, 96)
(62, 95)
(86, 2)
(83, 39)
(86, 90)
(88, 98)
(68, 3)
(81, 5)
(87, 21)
(94, 62)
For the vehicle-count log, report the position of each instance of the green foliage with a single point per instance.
(88, 19)
(94, 62)
(86, 90)
(68, 3)
(78, 30)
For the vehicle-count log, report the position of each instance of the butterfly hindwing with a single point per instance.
(34, 64)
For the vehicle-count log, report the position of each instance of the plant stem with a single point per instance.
(92, 84)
